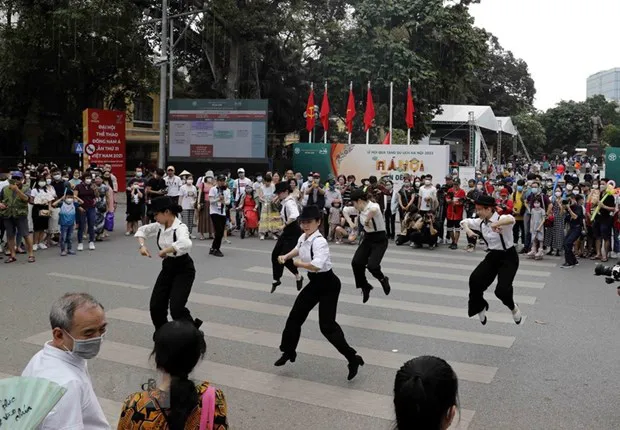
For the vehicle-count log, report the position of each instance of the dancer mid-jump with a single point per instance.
(370, 252)
(177, 275)
(502, 260)
(288, 239)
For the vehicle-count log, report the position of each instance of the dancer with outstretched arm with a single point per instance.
(323, 289)
(501, 262)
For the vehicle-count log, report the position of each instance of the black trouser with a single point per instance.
(324, 289)
(368, 256)
(219, 224)
(423, 238)
(390, 223)
(324, 225)
(500, 264)
(175, 199)
(569, 241)
(284, 245)
(518, 227)
(173, 286)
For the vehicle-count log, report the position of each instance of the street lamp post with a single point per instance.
(163, 71)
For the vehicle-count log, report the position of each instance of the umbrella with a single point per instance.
(26, 401)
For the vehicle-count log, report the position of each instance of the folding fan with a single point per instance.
(26, 401)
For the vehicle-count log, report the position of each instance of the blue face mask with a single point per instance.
(535, 190)
(519, 187)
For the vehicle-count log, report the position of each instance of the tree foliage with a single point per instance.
(532, 132)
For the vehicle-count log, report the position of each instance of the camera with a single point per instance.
(611, 273)
(565, 202)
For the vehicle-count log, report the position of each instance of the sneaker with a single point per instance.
(127, 233)
(531, 254)
(71, 252)
(42, 246)
(539, 255)
(516, 315)
(91, 246)
(262, 237)
(613, 255)
(80, 247)
(217, 253)
(228, 242)
(35, 247)
(192, 236)
(567, 266)
(63, 254)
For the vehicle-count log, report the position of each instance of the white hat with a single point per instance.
(185, 173)
(240, 170)
(209, 174)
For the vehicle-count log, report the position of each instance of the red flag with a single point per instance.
(410, 109)
(350, 111)
(325, 110)
(369, 115)
(386, 141)
(310, 111)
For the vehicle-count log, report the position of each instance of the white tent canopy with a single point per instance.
(459, 114)
(507, 125)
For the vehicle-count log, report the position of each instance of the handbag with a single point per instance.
(109, 221)
(45, 213)
(549, 221)
(207, 413)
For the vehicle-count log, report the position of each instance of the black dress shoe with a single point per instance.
(210, 252)
(300, 283)
(275, 285)
(385, 283)
(197, 322)
(366, 293)
(354, 366)
(217, 253)
(285, 357)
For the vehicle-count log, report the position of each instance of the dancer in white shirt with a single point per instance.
(323, 289)
(501, 262)
(177, 275)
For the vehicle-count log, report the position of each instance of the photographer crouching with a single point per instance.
(424, 231)
(573, 206)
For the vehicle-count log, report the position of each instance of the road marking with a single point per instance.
(413, 288)
(111, 409)
(362, 322)
(99, 281)
(390, 360)
(434, 255)
(282, 387)
(448, 311)
(434, 275)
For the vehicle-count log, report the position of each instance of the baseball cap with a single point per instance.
(240, 170)
(221, 177)
(17, 174)
(503, 192)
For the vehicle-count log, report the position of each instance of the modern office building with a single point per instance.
(606, 83)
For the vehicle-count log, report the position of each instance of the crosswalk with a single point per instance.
(426, 313)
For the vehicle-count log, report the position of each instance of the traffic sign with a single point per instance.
(90, 149)
(78, 148)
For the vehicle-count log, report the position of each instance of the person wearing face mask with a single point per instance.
(78, 326)
(135, 202)
(205, 224)
(238, 191)
(88, 192)
(518, 211)
(385, 201)
(67, 207)
(501, 262)
(219, 199)
(406, 198)
(187, 197)
(428, 196)
(174, 283)
(331, 195)
(603, 222)
(14, 200)
(554, 228)
(61, 187)
(41, 198)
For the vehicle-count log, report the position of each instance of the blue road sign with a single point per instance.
(78, 148)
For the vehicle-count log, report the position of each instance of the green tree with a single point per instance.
(611, 135)
(532, 132)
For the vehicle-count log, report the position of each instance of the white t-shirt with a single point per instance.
(426, 192)
(43, 196)
(216, 207)
(188, 196)
(79, 407)
(239, 186)
(173, 185)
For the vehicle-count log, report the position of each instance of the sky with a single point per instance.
(562, 41)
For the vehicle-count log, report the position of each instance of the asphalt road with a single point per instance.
(558, 370)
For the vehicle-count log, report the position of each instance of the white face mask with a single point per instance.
(310, 178)
(86, 348)
(558, 194)
(57, 177)
(417, 184)
(42, 183)
(569, 187)
(138, 174)
(48, 181)
(189, 181)
(427, 182)
(479, 186)
(209, 180)
(259, 179)
(575, 192)
(69, 201)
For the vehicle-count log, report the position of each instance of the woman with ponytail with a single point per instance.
(176, 403)
(425, 394)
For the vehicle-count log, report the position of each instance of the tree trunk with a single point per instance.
(232, 81)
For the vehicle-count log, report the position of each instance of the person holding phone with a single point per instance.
(219, 199)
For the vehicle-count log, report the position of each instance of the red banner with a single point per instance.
(104, 141)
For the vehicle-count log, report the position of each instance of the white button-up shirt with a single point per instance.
(316, 246)
(182, 245)
(216, 206)
(173, 184)
(290, 210)
(495, 241)
(239, 186)
(78, 409)
(377, 222)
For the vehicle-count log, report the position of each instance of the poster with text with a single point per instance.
(367, 160)
(104, 141)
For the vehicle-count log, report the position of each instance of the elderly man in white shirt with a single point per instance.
(78, 326)
(173, 184)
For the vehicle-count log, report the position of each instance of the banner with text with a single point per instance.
(367, 160)
(104, 140)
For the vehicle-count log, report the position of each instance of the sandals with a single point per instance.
(31, 259)
(10, 260)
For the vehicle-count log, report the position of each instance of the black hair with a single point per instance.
(160, 172)
(425, 389)
(179, 345)
(268, 178)
(413, 209)
(521, 182)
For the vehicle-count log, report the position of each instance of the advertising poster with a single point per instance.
(367, 160)
(104, 141)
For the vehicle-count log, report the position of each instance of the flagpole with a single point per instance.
(325, 131)
(350, 89)
(408, 129)
(310, 132)
(391, 108)
(368, 130)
